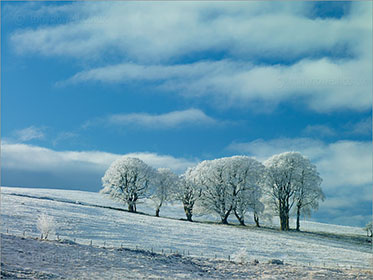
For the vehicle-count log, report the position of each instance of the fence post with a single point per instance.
(229, 257)
(90, 243)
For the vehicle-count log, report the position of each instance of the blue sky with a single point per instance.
(175, 83)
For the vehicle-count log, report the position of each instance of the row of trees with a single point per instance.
(284, 184)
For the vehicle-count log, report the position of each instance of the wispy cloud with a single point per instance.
(363, 127)
(319, 131)
(170, 120)
(163, 121)
(29, 133)
(314, 70)
(63, 136)
(323, 84)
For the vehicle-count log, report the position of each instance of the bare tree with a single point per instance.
(128, 180)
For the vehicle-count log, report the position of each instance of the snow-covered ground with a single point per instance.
(75, 221)
(27, 258)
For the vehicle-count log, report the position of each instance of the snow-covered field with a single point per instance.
(213, 243)
(27, 258)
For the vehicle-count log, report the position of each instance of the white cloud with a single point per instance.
(152, 36)
(341, 164)
(323, 84)
(38, 159)
(167, 120)
(363, 127)
(319, 130)
(29, 133)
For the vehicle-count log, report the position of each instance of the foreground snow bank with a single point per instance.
(40, 259)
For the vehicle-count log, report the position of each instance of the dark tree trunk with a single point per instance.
(131, 207)
(298, 218)
(157, 212)
(256, 219)
(284, 214)
(284, 220)
(240, 219)
(188, 213)
(224, 220)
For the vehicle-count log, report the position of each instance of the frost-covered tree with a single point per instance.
(188, 192)
(246, 175)
(45, 225)
(127, 180)
(217, 196)
(291, 179)
(229, 185)
(308, 191)
(165, 185)
(249, 200)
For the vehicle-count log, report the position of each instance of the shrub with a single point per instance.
(45, 225)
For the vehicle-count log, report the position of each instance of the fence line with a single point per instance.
(169, 251)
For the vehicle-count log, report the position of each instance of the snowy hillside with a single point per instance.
(78, 219)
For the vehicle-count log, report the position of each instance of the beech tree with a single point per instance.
(249, 200)
(166, 181)
(229, 185)
(246, 177)
(308, 191)
(127, 180)
(188, 192)
(292, 179)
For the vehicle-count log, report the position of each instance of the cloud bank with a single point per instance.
(22, 163)
(323, 62)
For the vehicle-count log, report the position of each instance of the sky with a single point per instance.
(84, 83)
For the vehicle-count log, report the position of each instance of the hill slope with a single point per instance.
(85, 223)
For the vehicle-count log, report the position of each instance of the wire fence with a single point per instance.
(167, 251)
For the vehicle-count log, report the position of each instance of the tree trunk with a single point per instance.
(239, 218)
(256, 219)
(224, 219)
(298, 218)
(284, 219)
(132, 207)
(157, 212)
(188, 213)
